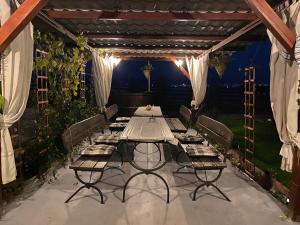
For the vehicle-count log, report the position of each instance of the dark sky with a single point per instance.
(129, 73)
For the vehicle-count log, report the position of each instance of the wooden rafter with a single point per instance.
(168, 37)
(18, 20)
(173, 16)
(156, 37)
(184, 72)
(274, 23)
(235, 35)
(60, 28)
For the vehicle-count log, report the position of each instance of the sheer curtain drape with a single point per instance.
(16, 70)
(284, 89)
(197, 68)
(102, 76)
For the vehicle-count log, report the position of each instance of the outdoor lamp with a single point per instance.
(115, 60)
(179, 62)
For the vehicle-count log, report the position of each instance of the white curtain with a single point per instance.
(198, 68)
(284, 90)
(102, 76)
(16, 70)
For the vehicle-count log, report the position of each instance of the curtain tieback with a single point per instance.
(285, 56)
(295, 146)
(103, 109)
(4, 124)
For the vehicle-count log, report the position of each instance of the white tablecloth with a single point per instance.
(155, 111)
(148, 129)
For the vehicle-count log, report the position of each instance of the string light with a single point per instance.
(115, 60)
(179, 62)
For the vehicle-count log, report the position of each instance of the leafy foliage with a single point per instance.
(64, 64)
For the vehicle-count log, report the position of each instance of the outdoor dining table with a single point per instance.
(145, 129)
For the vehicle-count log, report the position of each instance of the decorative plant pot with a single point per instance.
(147, 75)
(220, 68)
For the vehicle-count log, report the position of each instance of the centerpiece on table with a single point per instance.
(147, 73)
(148, 107)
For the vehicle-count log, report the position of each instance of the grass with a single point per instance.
(267, 144)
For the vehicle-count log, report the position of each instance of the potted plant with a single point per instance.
(219, 61)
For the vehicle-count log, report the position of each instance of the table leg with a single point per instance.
(87, 185)
(146, 171)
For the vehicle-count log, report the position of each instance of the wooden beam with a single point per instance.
(171, 16)
(61, 29)
(294, 205)
(234, 36)
(156, 37)
(184, 72)
(158, 56)
(274, 23)
(18, 20)
(157, 47)
(169, 37)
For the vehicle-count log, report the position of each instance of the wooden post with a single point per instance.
(274, 23)
(18, 20)
(294, 205)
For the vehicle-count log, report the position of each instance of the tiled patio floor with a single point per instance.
(146, 203)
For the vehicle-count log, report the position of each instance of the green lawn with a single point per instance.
(267, 144)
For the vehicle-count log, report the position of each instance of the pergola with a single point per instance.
(160, 29)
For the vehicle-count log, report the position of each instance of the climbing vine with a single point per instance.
(64, 65)
(61, 60)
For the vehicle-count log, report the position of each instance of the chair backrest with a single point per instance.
(74, 134)
(214, 131)
(186, 113)
(111, 111)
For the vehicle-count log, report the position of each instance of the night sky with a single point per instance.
(129, 73)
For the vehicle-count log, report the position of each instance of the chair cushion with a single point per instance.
(117, 126)
(190, 139)
(175, 125)
(107, 139)
(201, 151)
(98, 150)
(122, 119)
(209, 165)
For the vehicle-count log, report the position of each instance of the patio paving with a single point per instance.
(146, 201)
